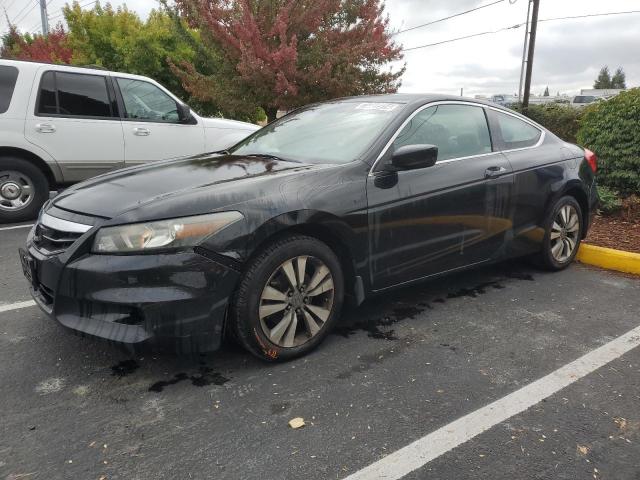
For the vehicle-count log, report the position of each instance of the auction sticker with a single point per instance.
(384, 107)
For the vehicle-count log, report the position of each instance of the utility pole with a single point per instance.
(44, 17)
(524, 51)
(532, 47)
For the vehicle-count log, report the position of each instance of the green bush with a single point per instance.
(612, 130)
(560, 119)
(610, 200)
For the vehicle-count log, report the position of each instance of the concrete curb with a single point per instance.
(609, 258)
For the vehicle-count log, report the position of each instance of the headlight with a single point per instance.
(177, 232)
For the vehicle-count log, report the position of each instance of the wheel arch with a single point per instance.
(32, 158)
(576, 190)
(327, 228)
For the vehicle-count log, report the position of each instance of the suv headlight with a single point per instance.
(176, 232)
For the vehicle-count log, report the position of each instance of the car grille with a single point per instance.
(50, 241)
(53, 235)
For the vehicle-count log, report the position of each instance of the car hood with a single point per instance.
(228, 124)
(193, 185)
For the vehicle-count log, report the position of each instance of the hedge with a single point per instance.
(560, 119)
(612, 130)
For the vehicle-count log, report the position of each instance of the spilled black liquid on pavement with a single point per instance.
(377, 327)
(205, 376)
(124, 368)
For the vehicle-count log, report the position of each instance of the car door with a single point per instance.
(74, 117)
(538, 173)
(152, 130)
(455, 213)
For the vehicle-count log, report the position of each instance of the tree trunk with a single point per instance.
(271, 113)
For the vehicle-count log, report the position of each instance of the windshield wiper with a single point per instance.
(273, 157)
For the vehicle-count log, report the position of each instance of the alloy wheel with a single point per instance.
(16, 190)
(296, 301)
(564, 233)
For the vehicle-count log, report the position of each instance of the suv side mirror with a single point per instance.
(411, 157)
(184, 112)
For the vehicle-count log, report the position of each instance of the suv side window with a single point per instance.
(144, 101)
(514, 132)
(74, 95)
(8, 77)
(457, 130)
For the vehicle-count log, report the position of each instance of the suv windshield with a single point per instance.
(584, 99)
(336, 132)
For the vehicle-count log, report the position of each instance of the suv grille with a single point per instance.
(54, 235)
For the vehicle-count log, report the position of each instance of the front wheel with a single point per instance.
(23, 190)
(563, 234)
(288, 299)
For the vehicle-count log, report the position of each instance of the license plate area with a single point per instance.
(29, 268)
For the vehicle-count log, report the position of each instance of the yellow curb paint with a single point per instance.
(609, 258)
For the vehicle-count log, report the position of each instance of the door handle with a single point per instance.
(141, 131)
(494, 172)
(45, 128)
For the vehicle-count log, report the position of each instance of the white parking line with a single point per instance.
(431, 446)
(16, 226)
(16, 306)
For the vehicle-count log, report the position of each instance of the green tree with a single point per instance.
(280, 54)
(604, 79)
(619, 79)
(117, 39)
(546, 92)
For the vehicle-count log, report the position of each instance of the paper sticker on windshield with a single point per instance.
(383, 107)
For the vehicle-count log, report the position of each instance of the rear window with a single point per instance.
(8, 77)
(74, 95)
(516, 133)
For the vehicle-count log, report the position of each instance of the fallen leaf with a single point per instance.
(297, 422)
(582, 449)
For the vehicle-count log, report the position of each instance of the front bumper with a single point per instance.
(177, 300)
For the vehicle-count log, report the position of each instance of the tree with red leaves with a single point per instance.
(41, 48)
(280, 54)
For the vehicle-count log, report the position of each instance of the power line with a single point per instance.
(490, 32)
(36, 4)
(452, 16)
(463, 38)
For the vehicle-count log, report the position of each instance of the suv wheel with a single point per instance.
(23, 190)
(288, 299)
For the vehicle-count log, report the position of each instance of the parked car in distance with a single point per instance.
(334, 202)
(504, 100)
(61, 124)
(581, 101)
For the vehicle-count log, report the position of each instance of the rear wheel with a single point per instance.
(563, 234)
(23, 190)
(288, 299)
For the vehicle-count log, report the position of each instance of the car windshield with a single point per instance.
(584, 99)
(336, 132)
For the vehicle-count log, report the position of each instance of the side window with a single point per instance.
(74, 95)
(8, 77)
(457, 131)
(145, 101)
(514, 132)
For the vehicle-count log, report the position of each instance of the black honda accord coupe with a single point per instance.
(331, 204)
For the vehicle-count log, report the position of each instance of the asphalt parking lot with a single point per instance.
(400, 367)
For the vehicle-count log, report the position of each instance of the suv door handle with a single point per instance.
(494, 172)
(141, 131)
(45, 128)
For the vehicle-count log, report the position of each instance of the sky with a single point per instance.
(569, 53)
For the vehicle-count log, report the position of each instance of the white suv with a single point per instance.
(62, 124)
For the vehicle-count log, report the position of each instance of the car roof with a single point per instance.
(416, 99)
(95, 69)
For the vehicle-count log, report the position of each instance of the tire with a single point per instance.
(265, 286)
(560, 234)
(16, 204)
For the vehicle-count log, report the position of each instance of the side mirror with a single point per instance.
(184, 112)
(411, 157)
